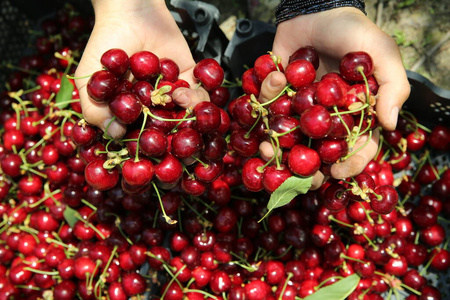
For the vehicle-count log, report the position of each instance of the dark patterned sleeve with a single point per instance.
(289, 9)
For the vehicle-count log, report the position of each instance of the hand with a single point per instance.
(334, 33)
(134, 25)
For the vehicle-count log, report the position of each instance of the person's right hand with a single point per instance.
(134, 25)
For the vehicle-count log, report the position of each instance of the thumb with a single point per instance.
(187, 97)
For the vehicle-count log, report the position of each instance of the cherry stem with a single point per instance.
(91, 278)
(410, 289)
(78, 77)
(117, 223)
(166, 217)
(205, 204)
(87, 223)
(187, 113)
(423, 159)
(17, 68)
(326, 280)
(332, 218)
(349, 132)
(247, 135)
(352, 258)
(64, 103)
(361, 71)
(69, 247)
(174, 278)
(288, 278)
(410, 117)
(147, 111)
(44, 198)
(284, 253)
(424, 270)
(200, 215)
(205, 165)
(136, 158)
(276, 97)
(359, 148)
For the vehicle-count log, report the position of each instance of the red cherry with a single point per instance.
(99, 177)
(125, 107)
(273, 177)
(308, 53)
(303, 161)
(300, 73)
(209, 72)
(138, 173)
(354, 62)
(102, 86)
(315, 122)
(116, 61)
(144, 65)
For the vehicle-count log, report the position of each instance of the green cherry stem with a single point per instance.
(166, 217)
(146, 110)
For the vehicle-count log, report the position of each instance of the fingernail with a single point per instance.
(393, 117)
(113, 128)
(180, 97)
(274, 82)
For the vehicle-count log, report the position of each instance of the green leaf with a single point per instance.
(70, 216)
(290, 188)
(65, 92)
(337, 291)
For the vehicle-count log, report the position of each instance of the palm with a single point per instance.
(153, 30)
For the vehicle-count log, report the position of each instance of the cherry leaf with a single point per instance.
(337, 291)
(290, 188)
(64, 93)
(70, 216)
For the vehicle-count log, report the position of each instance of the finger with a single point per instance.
(392, 96)
(186, 97)
(272, 85)
(356, 163)
(393, 83)
(266, 150)
(101, 116)
(318, 180)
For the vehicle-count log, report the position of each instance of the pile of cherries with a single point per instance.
(177, 208)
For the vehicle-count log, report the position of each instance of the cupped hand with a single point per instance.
(134, 25)
(334, 33)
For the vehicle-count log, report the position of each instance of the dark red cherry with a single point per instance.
(209, 72)
(102, 86)
(144, 65)
(353, 63)
(116, 61)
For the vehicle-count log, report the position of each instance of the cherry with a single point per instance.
(250, 83)
(335, 197)
(133, 284)
(215, 147)
(244, 143)
(424, 216)
(330, 150)
(274, 176)
(354, 62)
(308, 53)
(396, 266)
(13, 138)
(315, 122)
(330, 92)
(303, 99)
(300, 73)
(281, 106)
(384, 199)
(207, 117)
(187, 142)
(219, 96)
(433, 235)
(193, 186)
(225, 219)
(169, 170)
(100, 178)
(242, 112)
(102, 86)
(429, 292)
(144, 65)
(65, 290)
(416, 140)
(439, 138)
(256, 289)
(208, 172)
(116, 61)
(209, 72)
(265, 64)
(138, 173)
(125, 107)
(441, 259)
(282, 124)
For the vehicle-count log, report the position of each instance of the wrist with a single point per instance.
(106, 9)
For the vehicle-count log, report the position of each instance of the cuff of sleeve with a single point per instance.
(289, 9)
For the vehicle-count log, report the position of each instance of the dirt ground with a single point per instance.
(420, 27)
